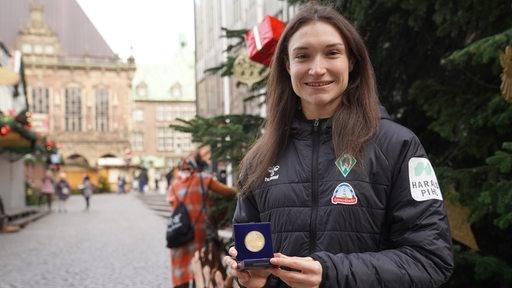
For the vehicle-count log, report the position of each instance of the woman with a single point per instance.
(87, 191)
(63, 192)
(344, 172)
(196, 185)
(47, 189)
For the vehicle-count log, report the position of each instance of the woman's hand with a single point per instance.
(249, 278)
(297, 271)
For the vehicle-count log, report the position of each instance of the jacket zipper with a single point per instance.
(314, 187)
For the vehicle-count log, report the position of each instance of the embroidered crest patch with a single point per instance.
(423, 180)
(344, 194)
(345, 163)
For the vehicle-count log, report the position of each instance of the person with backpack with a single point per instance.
(191, 186)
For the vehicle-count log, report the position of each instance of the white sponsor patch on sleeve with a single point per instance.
(423, 180)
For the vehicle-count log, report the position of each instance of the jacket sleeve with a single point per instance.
(171, 196)
(418, 250)
(221, 188)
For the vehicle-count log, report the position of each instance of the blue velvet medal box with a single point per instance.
(253, 242)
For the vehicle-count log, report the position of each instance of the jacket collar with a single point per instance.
(302, 127)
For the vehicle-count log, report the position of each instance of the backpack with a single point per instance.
(179, 227)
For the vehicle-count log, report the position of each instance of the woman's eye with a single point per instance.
(333, 53)
(301, 56)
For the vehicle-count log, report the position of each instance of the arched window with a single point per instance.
(73, 109)
(102, 110)
(176, 90)
(142, 90)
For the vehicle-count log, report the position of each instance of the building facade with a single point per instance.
(78, 89)
(88, 100)
(162, 94)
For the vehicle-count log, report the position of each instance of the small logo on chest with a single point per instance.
(345, 164)
(344, 194)
(273, 175)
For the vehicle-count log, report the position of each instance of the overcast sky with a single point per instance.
(150, 27)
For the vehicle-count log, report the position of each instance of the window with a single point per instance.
(185, 113)
(40, 100)
(183, 140)
(169, 139)
(138, 115)
(170, 113)
(26, 48)
(38, 49)
(165, 139)
(176, 90)
(48, 49)
(164, 113)
(73, 109)
(101, 110)
(138, 141)
(142, 90)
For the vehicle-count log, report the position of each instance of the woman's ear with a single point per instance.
(351, 64)
(287, 63)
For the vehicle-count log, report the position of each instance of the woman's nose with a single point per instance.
(317, 66)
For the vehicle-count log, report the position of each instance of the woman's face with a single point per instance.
(319, 67)
(206, 154)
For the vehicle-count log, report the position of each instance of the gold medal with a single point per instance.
(254, 241)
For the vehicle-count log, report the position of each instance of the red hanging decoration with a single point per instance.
(261, 41)
(4, 130)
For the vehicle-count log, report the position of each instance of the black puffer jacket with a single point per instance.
(382, 225)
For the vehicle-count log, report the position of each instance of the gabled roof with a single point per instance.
(77, 34)
(160, 78)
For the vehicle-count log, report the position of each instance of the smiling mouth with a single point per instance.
(319, 84)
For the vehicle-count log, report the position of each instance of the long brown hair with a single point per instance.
(354, 122)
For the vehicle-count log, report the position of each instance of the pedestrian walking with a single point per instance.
(87, 191)
(191, 187)
(63, 191)
(338, 180)
(158, 177)
(143, 179)
(121, 183)
(135, 182)
(47, 189)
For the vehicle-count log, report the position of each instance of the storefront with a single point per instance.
(17, 140)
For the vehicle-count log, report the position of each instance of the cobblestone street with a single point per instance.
(119, 242)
